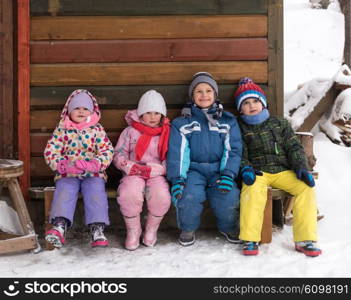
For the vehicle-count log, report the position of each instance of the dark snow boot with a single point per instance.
(231, 237)
(187, 238)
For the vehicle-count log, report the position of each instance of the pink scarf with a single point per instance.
(69, 124)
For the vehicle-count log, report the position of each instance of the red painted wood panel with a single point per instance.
(23, 92)
(153, 50)
(7, 116)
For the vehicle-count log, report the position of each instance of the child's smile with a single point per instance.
(204, 95)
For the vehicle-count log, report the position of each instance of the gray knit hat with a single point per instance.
(202, 77)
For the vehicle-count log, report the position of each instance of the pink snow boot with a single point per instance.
(151, 227)
(133, 227)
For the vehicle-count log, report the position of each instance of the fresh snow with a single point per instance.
(313, 50)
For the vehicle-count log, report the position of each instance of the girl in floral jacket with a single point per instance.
(140, 154)
(79, 152)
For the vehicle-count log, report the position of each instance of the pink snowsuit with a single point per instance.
(133, 188)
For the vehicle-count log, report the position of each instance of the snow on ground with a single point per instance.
(312, 50)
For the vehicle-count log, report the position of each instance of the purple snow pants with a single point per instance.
(94, 197)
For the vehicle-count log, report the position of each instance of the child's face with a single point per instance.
(204, 95)
(152, 118)
(251, 106)
(80, 114)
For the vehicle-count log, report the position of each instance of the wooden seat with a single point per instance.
(9, 171)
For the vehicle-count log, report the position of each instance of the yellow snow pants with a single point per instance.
(253, 201)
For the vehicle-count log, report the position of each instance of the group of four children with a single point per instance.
(203, 154)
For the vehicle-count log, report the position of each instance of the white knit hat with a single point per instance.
(151, 101)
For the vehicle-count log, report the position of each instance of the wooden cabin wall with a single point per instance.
(118, 49)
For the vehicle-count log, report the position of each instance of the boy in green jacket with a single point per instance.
(272, 151)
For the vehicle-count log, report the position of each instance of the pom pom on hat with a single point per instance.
(248, 89)
(151, 101)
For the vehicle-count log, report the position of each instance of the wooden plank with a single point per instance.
(155, 7)
(346, 9)
(23, 68)
(111, 28)
(45, 121)
(18, 244)
(109, 51)
(143, 73)
(20, 205)
(123, 97)
(38, 168)
(275, 56)
(6, 80)
(324, 104)
(112, 119)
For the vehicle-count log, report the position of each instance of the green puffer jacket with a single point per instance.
(271, 146)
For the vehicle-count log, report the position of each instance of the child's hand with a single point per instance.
(305, 176)
(64, 167)
(139, 170)
(225, 184)
(177, 190)
(90, 166)
(248, 174)
(156, 169)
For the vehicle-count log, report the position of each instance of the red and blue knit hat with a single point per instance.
(248, 89)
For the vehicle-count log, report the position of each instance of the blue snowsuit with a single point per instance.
(200, 152)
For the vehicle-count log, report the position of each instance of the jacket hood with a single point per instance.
(64, 113)
(131, 116)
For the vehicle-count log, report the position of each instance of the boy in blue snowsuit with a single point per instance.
(203, 160)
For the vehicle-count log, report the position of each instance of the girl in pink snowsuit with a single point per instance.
(140, 154)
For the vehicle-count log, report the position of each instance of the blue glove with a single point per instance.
(248, 174)
(305, 176)
(225, 184)
(177, 190)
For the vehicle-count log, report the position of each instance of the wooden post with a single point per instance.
(23, 69)
(275, 56)
(266, 232)
(6, 80)
(346, 9)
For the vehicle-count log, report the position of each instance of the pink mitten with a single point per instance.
(90, 166)
(156, 169)
(64, 167)
(139, 170)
